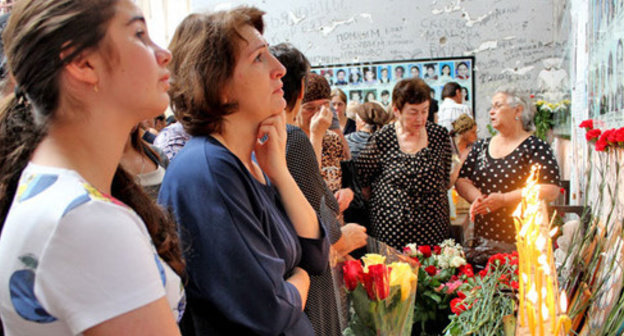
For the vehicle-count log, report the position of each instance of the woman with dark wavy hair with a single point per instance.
(83, 249)
(251, 236)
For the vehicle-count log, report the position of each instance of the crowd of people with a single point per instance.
(232, 216)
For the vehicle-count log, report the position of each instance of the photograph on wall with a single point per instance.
(374, 81)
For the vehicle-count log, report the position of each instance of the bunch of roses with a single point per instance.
(443, 273)
(612, 138)
(381, 296)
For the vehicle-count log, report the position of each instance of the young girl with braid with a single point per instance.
(83, 250)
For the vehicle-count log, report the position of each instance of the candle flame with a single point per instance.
(563, 302)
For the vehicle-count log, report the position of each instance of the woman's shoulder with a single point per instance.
(435, 129)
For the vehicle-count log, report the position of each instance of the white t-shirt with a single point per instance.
(449, 111)
(72, 258)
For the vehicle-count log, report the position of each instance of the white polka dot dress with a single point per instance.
(409, 202)
(506, 174)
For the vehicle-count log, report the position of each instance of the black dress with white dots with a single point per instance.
(506, 174)
(409, 201)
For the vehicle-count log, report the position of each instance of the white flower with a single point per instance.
(443, 261)
(457, 261)
(413, 250)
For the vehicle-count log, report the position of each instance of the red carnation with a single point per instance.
(611, 135)
(425, 250)
(483, 273)
(532, 96)
(592, 134)
(437, 249)
(461, 295)
(431, 270)
(587, 124)
(619, 135)
(457, 306)
(352, 273)
(466, 270)
(515, 285)
(601, 145)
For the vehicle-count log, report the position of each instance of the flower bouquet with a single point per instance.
(485, 304)
(382, 296)
(443, 271)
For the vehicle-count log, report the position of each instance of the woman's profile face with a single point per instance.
(139, 80)
(470, 136)
(256, 83)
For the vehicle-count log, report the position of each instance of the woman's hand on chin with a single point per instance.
(270, 146)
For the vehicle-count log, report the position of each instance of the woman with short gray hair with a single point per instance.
(496, 169)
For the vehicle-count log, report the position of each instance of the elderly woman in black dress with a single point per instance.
(407, 165)
(496, 169)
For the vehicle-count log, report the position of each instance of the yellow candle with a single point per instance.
(531, 315)
(558, 326)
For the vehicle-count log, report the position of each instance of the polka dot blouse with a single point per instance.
(506, 174)
(409, 202)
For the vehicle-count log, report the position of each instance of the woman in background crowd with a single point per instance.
(339, 104)
(496, 169)
(407, 165)
(250, 236)
(145, 162)
(317, 94)
(464, 135)
(83, 249)
(369, 117)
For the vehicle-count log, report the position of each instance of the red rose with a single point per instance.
(592, 134)
(376, 282)
(425, 250)
(431, 270)
(352, 273)
(457, 306)
(437, 249)
(587, 124)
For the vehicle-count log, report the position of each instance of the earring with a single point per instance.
(95, 88)
(516, 118)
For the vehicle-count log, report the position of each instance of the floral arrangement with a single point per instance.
(485, 303)
(382, 296)
(613, 138)
(548, 115)
(443, 271)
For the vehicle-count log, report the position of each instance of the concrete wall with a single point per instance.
(510, 39)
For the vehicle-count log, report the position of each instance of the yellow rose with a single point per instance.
(402, 275)
(372, 259)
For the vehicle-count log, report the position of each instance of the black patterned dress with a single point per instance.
(506, 174)
(326, 304)
(409, 200)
